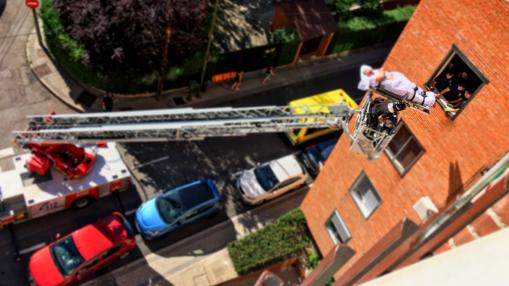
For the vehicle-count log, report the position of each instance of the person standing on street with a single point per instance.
(237, 80)
(107, 103)
(269, 72)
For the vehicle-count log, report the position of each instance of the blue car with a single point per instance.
(177, 207)
(315, 156)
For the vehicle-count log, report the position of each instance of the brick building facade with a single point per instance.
(444, 152)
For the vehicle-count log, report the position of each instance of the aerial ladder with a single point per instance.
(60, 132)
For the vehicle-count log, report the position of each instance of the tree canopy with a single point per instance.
(128, 36)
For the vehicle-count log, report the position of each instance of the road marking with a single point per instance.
(152, 162)
(7, 152)
(16, 27)
(32, 248)
(130, 212)
(250, 161)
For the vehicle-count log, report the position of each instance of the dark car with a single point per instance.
(315, 156)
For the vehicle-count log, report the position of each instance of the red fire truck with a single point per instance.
(25, 194)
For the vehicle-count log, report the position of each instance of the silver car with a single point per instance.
(270, 180)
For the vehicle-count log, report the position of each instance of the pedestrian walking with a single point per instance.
(269, 73)
(237, 80)
(107, 103)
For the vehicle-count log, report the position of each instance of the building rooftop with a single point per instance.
(481, 262)
(311, 18)
(243, 24)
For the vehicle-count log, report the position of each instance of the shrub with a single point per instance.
(343, 8)
(288, 38)
(372, 8)
(388, 17)
(365, 31)
(55, 34)
(400, 14)
(285, 35)
(282, 239)
(72, 57)
(313, 259)
(287, 53)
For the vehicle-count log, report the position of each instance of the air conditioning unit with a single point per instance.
(425, 208)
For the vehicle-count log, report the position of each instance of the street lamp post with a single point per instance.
(209, 44)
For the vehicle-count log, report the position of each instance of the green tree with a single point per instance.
(371, 8)
(342, 8)
(128, 36)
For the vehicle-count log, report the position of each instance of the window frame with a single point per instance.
(392, 157)
(342, 223)
(455, 51)
(357, 200)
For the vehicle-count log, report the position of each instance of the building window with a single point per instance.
(337, 229)
(404, 149)
(458, 80)
(365, 195)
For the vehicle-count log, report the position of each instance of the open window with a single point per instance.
(457, 80)
(337, 228)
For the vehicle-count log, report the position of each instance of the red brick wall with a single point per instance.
(476, 138)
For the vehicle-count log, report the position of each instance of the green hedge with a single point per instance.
(365, 31)
(64, 49)
(287, 53)
(277, 241)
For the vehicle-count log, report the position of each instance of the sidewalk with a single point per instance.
(201, 259)
(74, 95)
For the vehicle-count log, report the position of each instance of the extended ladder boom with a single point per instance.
(179, 124)
(180, 115)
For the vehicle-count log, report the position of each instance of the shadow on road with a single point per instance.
(160, 166)
(2, 6)
(148, 276)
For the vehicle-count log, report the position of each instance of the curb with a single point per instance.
(28, 55)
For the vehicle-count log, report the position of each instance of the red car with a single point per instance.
(84, 251)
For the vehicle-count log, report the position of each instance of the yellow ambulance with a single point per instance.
(298, 136)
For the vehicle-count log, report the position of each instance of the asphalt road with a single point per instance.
(157, 166)
(20, 91)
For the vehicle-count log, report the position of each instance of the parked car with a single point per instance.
(71, 258)
(177, 207)
(314, 156)
(270, 180)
